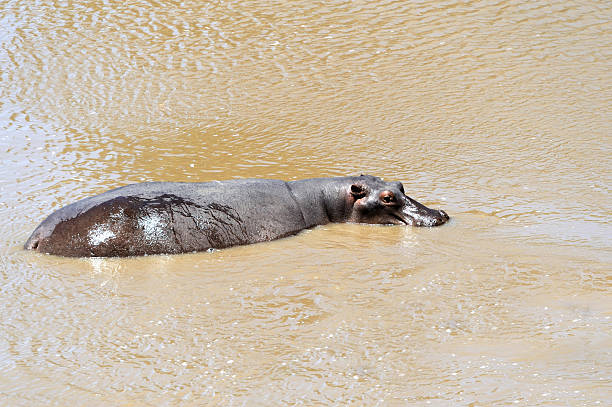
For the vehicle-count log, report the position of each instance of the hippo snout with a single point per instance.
(417, 214)
(431, 217)
(442, 217)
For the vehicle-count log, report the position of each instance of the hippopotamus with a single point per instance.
(180, 217)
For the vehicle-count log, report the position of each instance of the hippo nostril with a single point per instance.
(444, 215)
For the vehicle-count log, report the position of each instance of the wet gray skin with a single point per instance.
(388, 204)
(172, 217)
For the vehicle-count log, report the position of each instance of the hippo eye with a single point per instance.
(387, 197)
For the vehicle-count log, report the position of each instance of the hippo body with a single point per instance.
(177, 217)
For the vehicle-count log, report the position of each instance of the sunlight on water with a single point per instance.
(496, 112)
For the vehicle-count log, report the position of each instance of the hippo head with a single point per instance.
(379, 202)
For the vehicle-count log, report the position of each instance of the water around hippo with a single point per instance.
(497, 112)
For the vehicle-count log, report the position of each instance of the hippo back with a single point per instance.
(164, 217)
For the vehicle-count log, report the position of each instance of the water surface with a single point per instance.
(496, 111)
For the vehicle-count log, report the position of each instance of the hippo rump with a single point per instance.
(178, 217)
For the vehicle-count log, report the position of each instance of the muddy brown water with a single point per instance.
(499, 112)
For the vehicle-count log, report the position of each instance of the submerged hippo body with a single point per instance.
(173, 217)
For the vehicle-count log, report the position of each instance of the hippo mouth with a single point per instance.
(416, 214)
(402, 220)
(439, 218)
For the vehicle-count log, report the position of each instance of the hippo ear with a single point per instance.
(358, 191)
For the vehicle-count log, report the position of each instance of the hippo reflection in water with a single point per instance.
(176, 217)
